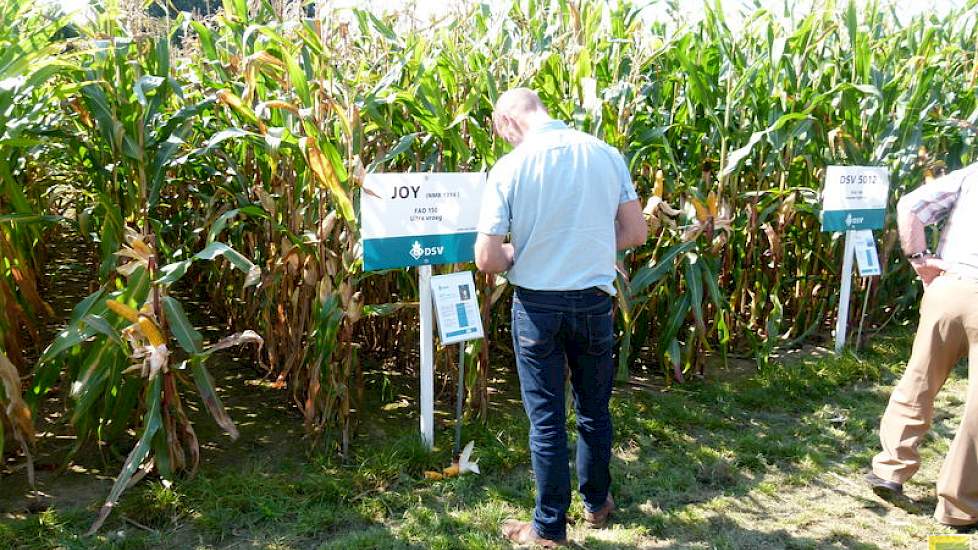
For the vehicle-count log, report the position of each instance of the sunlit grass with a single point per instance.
(705, 465)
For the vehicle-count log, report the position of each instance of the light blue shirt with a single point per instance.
(557, 195)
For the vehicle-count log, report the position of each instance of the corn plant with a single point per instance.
(118, 348)
(130, 118)
(741, 165)
(28, 59)
(244, 138)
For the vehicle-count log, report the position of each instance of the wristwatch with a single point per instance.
(919, 255)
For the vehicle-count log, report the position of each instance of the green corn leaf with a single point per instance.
(119, 410)
(651, 273)
(694, 289)
(208, 393)
(29, 219)
(151, 424)
(223, 136)
(213, 250)
(403, 145)
(145, 84)
(298, 79)
(737, 157)
(384, 310)
(186, 335)
(382, 27)
(101, 326)
(66, 339)
(677, 315)
(221, 222)
(162, 158)
(674, 353)
(172, 272)
(712, 284)
(13, 190)
(96, 370)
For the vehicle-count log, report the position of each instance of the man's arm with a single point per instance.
(911, 227)
(913, 241)
(492, 255)
(630, 227)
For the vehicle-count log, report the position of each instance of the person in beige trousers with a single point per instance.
(947, 332)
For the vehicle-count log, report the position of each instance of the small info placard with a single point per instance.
(456, 307)
(866, 256)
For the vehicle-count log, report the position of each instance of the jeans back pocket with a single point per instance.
(535, 332)
(601, 333)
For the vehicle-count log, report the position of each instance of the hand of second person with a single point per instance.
(928, 269)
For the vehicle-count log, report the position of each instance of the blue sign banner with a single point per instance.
(411, 251)
(851, 220)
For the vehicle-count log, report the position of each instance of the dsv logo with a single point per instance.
(418, 251)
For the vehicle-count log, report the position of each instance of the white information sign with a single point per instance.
(866, 256)
(854, 197)
(419, 218)
(457, 307)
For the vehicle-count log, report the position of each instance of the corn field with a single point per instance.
(220, 157)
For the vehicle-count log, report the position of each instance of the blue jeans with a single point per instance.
(554, 331)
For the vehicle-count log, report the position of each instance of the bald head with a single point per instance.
(516, 111)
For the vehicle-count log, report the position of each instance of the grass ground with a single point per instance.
(754, 460)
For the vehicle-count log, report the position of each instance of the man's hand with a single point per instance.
(509, 253)
(928, 269)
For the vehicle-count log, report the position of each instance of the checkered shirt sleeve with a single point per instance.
(932, 201)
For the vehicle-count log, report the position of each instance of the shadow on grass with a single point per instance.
(686, 446)
(725, 534)
(676, 448)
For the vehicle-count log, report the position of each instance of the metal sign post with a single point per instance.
(460, 394)
(843, 318)
(427, 358)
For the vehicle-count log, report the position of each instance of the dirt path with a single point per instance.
(68, 277)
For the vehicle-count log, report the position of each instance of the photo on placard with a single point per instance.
(463, 293)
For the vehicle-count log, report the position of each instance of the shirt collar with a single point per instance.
(548, 126)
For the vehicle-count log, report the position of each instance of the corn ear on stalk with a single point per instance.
(123, 310)
(152, 332)
(141, 247)
(660, 183)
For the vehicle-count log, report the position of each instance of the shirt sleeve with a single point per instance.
(494, 214)
(932, 201)
(626, 187)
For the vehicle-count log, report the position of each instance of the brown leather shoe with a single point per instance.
(885, 489)
(597, 520)
(522, 532)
